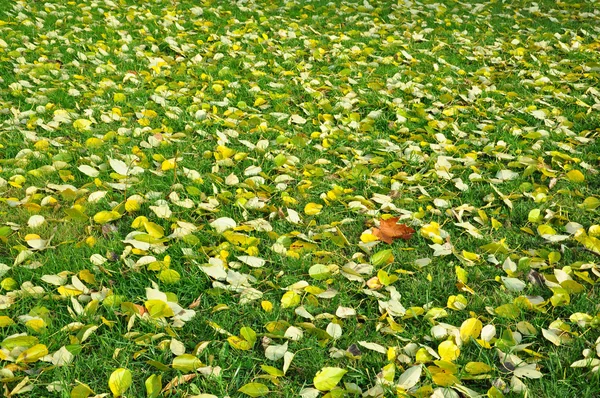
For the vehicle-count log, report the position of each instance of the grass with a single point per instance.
(195, 94)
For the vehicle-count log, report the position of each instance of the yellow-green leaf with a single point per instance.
(186, 363)
(327, 378)
(248, 334)
(475, 368)
(120, 380)
(254, 389)
(154, 230)
(290, 299)
(169, 276)
(153, 386)
(385, 278)
(382, 258)
(158, 308)
(272, 370)
(509, 310)
(81, 391)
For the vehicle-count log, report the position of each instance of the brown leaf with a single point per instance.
(354, 350)
(195, 303)
(177, 380)
(389, 230)
(535, 277)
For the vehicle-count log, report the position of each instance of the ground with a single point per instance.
(311, 198)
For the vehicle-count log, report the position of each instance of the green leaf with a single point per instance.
(248, 334)
(382, 258)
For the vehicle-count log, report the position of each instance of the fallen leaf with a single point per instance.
(389, 230)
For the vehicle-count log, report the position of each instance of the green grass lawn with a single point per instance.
(301, 198)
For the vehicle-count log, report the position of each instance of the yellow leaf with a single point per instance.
(444, 379)
(290, 299)
(120, 380)
(132, 205)
(105, 217)
(388, 372)
(68, 292)
(575, 176)
(382, 258)
(266, 305)
(32, 354)
(461, 274)
(239, 343)
(5, 321)
(36, 324)
(470, 256)
(327, 378)
(168, 164)
(496, 224)
(313, 209)
(471, 328)
(590, 203)
(496, 247)
(546, 229)
(248, 334)
(367, 237)
(448, 350)
(457, 302)
(93, 142)
(139, 222)
(82, 124)
(9, 284)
